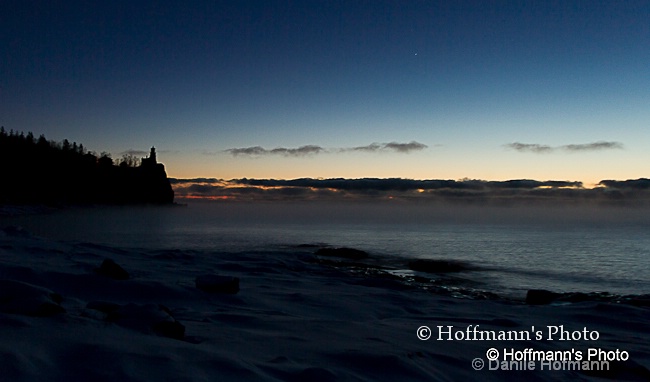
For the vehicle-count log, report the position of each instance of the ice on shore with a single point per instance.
(21, 298)
(293, 319)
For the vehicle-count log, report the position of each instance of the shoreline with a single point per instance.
(438, 280)
(477, 278)
(290, 319)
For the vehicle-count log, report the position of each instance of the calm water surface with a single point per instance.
(513, 250)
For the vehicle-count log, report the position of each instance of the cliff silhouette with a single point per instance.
(38, 171)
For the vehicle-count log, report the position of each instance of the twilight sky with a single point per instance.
(546, 90)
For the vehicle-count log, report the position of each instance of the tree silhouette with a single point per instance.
(105, 160)
(42, 171)
(129, 160)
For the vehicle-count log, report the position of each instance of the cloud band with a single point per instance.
(543, 149)
(314, 149)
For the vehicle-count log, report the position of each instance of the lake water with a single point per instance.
(514, 249)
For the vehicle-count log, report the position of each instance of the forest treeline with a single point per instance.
(35, 170)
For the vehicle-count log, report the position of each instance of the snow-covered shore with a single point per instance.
(293, 319)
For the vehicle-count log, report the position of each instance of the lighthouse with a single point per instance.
(151, 160)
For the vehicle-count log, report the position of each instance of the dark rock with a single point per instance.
(171, 329)
(149, 318)
(641, 301)
(15, 231)
(111, 269)
(218, 284)
(437, 266)
(17, 297)
(343, 252)
(48, 309)
(103, 306)
(308, 246)
(540, 297)
(57, 298)
(574, 297)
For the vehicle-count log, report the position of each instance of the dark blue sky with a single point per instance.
(466, 79)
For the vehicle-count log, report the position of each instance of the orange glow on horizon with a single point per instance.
(198, 197)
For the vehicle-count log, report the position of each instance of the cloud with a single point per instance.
(369, 148)
(195, 180)
(601, 145)
(314, 149)
(136, 153)
(630, 184)
(531, 147)
(405, 147)
(400, 184)
(516, 192)
(256, 150)
(259, 151)
(300, 151)
(373, 188)
(392, 146)
(542, 149)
